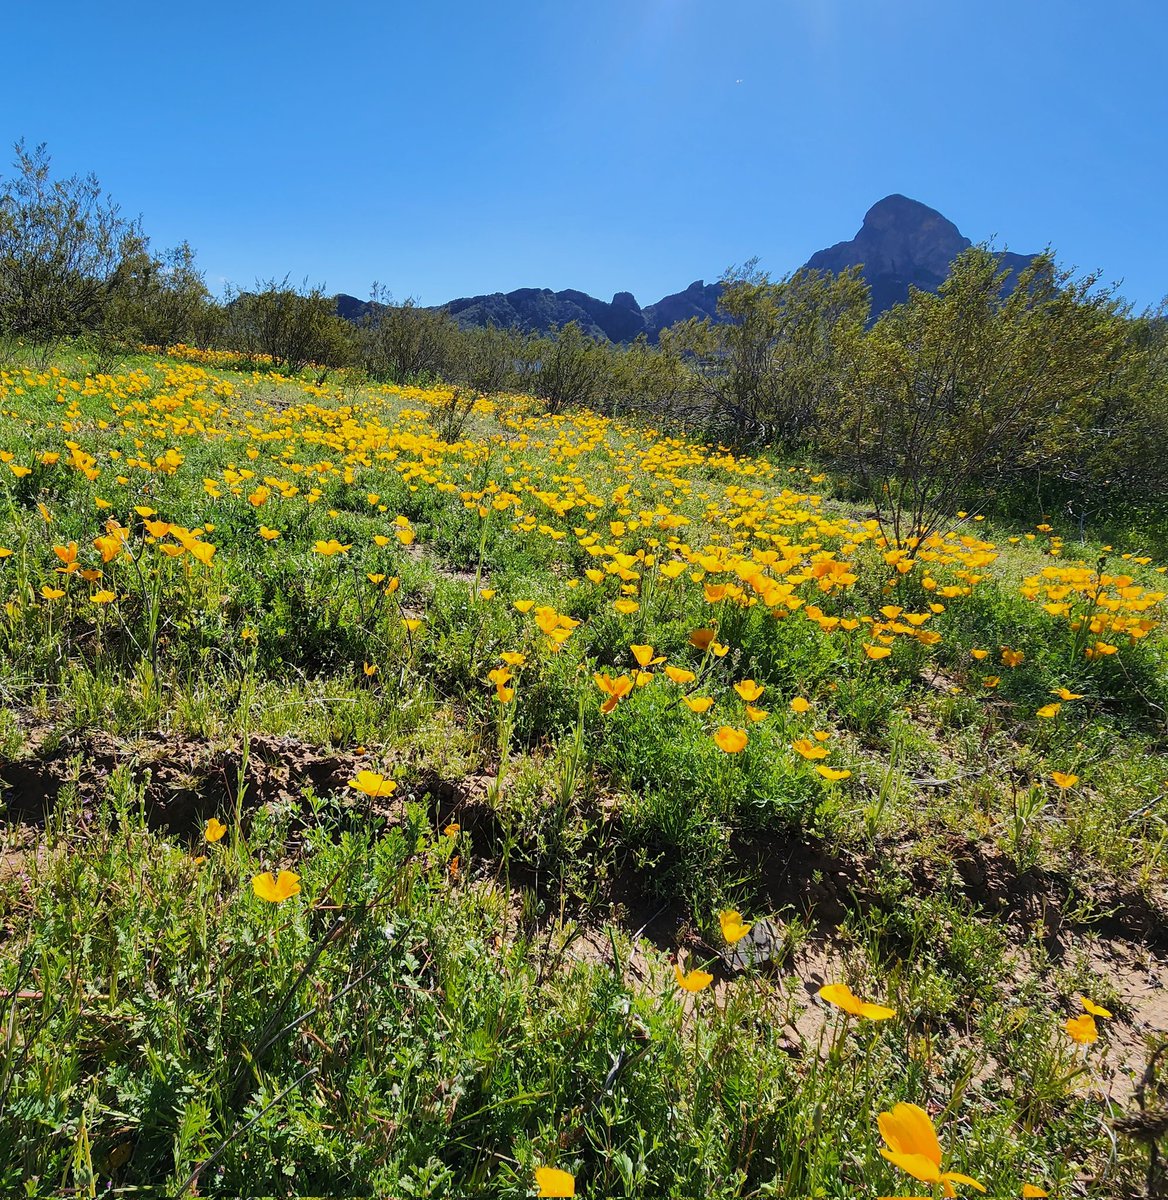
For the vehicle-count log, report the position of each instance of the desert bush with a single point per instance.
(159, 300)
(405, 343)
(568, 369)
(292, 326)
(771, 371)
(966, 389)
(60, 243)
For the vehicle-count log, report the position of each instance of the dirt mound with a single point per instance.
(185, 779)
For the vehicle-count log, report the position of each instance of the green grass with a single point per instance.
(436, 1014)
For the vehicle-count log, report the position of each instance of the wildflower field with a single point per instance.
(409, 794)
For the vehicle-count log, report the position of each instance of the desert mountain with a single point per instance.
(901, 244)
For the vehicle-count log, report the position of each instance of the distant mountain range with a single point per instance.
(901, 244)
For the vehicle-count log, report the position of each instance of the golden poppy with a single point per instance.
(553, 1182)
(372, 784)
(730, 740)
(644, 656)
(913, 1147)
(1094, 1009)
(692, 981)
(214, 830)
(808, 749)
(832, 775)
(1082, 1029)
(276, 889)
(734, 929)
(842, 996)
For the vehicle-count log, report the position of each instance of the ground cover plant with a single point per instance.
(417, 794)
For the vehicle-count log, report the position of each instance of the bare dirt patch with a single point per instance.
(185, 779)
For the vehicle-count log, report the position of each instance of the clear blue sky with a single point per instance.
(447, 149)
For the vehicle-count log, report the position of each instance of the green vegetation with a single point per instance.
(515, 709)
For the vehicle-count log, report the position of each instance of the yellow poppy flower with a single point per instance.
(808, 749)
(276, 889)
(730, 740)
(832, 775)
(913, 1147)
(372, 784)
(734, 929)
(553, 1182)
(680, 675)
(644, 656)
(1064, 780)
(1049, 710)
(615, 689)
(800, 705)
(698, 704)
(692, 981)
(214, 830)
(749, 690)
(1094, 1009)
(877, 652)
(1082, 1029)
(842, 996)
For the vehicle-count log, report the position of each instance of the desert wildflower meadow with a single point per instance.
(549, 805)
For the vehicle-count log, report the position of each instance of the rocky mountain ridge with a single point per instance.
(902, 243)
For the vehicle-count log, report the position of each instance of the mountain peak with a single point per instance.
(901, 244)
(903, 212)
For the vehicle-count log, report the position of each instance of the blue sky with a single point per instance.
(447, 148)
